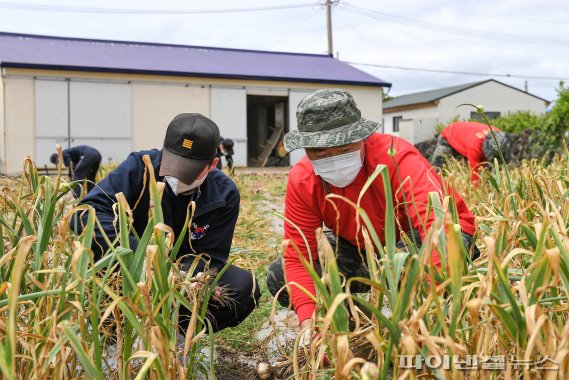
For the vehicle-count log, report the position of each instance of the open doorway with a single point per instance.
(267, 123)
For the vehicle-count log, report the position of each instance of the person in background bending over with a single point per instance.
(83, 162)
(225, 149)
(473, 141)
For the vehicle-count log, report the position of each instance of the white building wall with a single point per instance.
(154, 102)
(20, 123)
(406, 129)
(494, 96)
(154, 105)
(52, 118)
(418, 129)
(229, 112)
(408, 114)
(2, 124)
(294, 97)
(369, 101)
(101, 117)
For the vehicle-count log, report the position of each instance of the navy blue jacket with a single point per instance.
(217, 208)
(74, 154)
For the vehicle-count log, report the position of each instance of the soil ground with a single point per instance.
(257, 242)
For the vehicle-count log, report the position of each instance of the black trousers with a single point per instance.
(349, 262)
(86, 169)
(243, 295)
(442, 149)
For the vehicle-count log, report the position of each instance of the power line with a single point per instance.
(449, 29)
(476, 14)
(408, 33)
(314, 35)
(293, 29)
(457, 72)
(374, 45)
(72, 9)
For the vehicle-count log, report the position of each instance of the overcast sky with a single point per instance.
(526, 39)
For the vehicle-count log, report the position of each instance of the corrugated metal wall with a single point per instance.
(121, 113)
(71, 113)
(229, 111)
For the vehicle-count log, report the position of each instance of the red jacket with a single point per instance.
(306, 206)
(467, 139)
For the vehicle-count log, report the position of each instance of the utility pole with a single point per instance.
(329, 19)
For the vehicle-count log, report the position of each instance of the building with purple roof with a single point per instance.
(119, 96)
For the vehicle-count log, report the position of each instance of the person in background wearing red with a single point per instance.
(342, 151)
(473, 141)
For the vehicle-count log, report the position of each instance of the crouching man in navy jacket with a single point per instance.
(187, 164)
(83, 162)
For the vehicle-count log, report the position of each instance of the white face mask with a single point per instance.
(178, 187)
(340, 170)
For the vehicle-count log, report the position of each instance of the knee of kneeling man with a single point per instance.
(275, 273)
(276, 267)
(249, 287)
(249, 298)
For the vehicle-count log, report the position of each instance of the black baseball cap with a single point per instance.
(191, 142)
(228, 146)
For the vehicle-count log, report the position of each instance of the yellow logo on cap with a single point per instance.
(187, 144)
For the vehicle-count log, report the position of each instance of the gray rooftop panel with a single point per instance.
(432, 95)
(427, 96)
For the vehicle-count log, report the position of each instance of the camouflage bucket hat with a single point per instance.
(490, 148)
(328, 118)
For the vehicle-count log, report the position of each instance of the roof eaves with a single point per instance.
(188, 74)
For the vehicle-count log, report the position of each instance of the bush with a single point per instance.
(557, 121)
(519, 121)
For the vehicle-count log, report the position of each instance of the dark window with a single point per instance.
(396, 121)
(490, 115)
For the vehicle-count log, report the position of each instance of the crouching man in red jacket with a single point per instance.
(342, 151)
